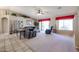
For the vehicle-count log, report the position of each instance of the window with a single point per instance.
(44, 24)
(66, 24)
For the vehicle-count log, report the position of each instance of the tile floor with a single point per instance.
(13, 44)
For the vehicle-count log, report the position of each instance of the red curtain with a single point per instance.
(65, 17)
(46, 19)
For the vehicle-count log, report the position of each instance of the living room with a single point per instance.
(39, 28)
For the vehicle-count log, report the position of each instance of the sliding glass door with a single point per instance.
(43, 25)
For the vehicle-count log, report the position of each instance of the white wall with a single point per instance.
(12, 20)
(77, 30)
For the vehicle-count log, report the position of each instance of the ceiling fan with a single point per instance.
(40, 11)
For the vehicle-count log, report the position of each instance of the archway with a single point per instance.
(4, 25)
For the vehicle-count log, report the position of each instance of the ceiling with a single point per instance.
(49, 11)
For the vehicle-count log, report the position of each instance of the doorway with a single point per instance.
(4, 25)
